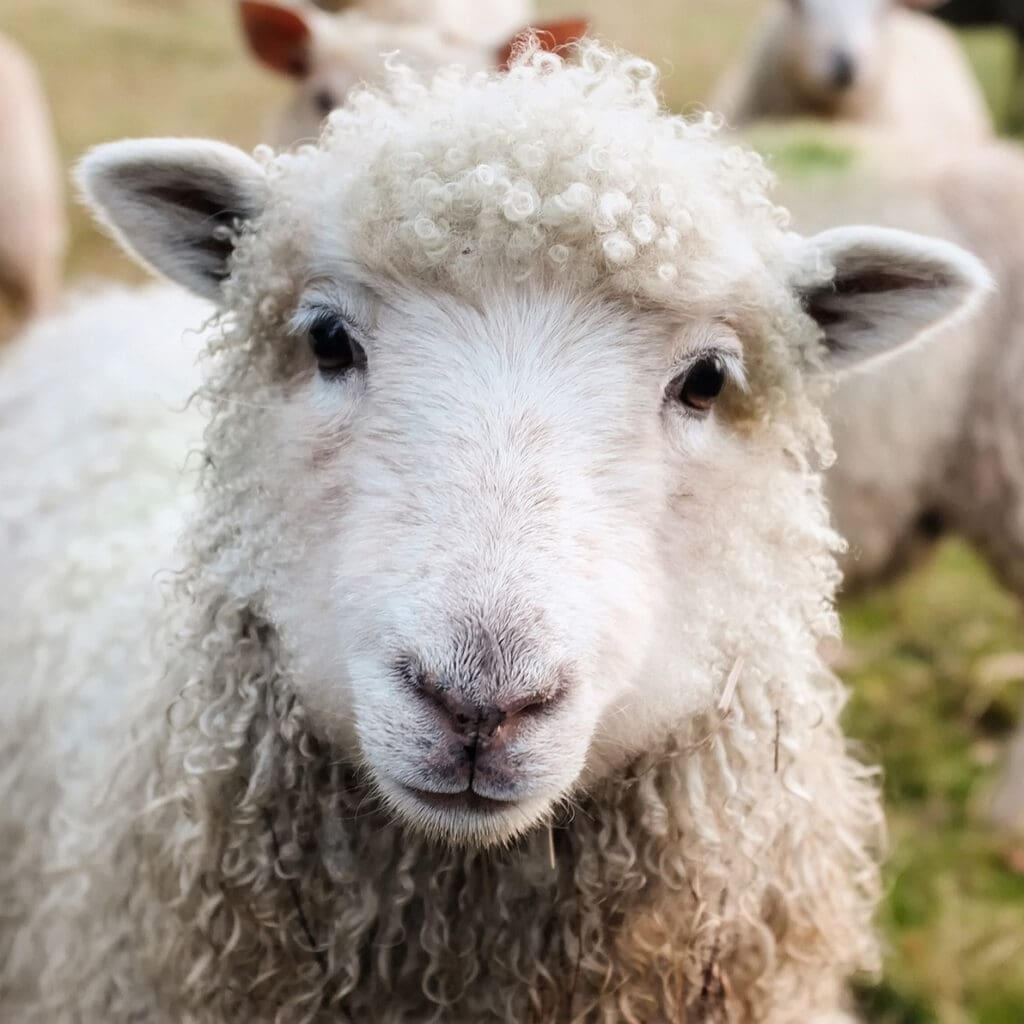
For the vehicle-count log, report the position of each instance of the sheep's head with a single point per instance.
(326, 55)
(516, 382)
(835, 49)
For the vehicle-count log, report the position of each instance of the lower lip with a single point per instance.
(467, 800)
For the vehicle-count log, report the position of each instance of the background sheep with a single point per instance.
(333, 800)
(329, 54)
(867, 61)
(1005, 13)
(32, 230)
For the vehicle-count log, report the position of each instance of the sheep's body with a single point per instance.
(915, 80)
(950, 418)
(32, 227)
(92, 410)
(551, 246)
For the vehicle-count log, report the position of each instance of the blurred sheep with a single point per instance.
(329, 53)
(1007, 14)
(32, 225)
(867, 61)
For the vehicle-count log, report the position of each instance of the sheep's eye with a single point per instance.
(335, 349)
(323, 102)
(702, 383)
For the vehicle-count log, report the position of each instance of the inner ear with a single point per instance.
(278, 36)
(550, 36)
(886, 288)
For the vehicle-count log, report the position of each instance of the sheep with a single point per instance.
(866, 61)
(329, 54)
(32, 225)
(1007, 14)
(490, 688)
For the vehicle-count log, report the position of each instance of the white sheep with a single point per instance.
(867, 61)
(490, 691)
(328, 54)
(32, 221)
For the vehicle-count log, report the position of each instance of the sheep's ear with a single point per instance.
(175, 204)
(279, 36)
(551, 36)
(886, 289)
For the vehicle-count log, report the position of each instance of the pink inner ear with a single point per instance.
(551, 35)
(278, 36)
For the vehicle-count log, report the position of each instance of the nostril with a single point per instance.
(470, 719)
(530, 705)
(843, 70)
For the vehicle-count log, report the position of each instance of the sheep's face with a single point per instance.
(517, 463)
(502, 507)
(834, 48)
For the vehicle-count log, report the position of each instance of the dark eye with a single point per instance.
(702, 383)
(324, 102)
(335, 349)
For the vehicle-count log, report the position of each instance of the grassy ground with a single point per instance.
(936, 662)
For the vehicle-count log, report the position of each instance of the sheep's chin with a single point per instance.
(465, 826)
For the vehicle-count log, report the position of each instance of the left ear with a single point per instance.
(278, 36)
(887, 288)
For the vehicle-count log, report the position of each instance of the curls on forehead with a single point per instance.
(563, 168)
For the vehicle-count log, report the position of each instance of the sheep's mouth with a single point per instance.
(463, 800)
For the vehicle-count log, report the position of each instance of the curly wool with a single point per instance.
(238, 870)
(262, 874)
(451, 173)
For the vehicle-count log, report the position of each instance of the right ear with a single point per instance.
(176, 205)
(278, 36)
(550, 36)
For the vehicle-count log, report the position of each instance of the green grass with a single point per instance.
(936, 664)
(935, 692)
(991, 54)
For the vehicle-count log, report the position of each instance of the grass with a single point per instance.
(936, 665)
(934, 661)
